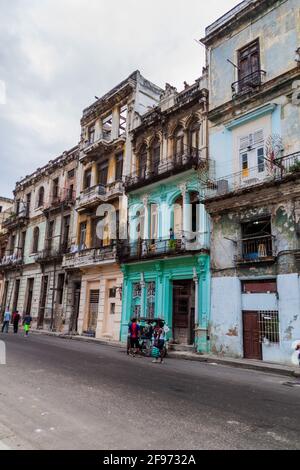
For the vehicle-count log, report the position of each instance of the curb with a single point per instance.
(239, 365)
(186, 357)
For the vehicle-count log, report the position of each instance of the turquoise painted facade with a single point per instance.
(149, 283)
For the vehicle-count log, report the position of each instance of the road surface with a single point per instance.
(66, 394)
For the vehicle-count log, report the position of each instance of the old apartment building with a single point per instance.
(101, 207)
(254, 199)
(205, 184)
(166, 275)
(5, 208)
(38, 231)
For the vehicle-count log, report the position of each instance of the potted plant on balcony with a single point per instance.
(172, 245)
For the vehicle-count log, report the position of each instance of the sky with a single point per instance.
(57, 55)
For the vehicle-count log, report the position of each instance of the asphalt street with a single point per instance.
(66, 394)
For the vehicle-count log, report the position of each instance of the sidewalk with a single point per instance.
(250, 364)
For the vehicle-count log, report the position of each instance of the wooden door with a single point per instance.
(183, 312)
(43, 298)
(252, 345)
(30, 283)
(93, 311)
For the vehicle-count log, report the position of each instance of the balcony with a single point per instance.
(93, 196)
(186, 161)
(163, 247)
(248, 84)
(271, 170)
(256, 250)
(92, 150)
(13, 261)
(90, 257)
(65, 197)
(50, 255)
(15, 220)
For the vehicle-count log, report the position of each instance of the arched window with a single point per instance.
(142, 162)
(41, 197)
(155, 153)
(36, 236)
(194, 132)
(179, 142)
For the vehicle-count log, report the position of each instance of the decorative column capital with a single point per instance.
(145, 200)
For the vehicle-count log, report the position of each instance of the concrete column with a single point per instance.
(115, 123)
(196, 281)
(186, 210)
(94, 174)
(143, 296)
(146, 218)
(98, 129)
(185, 141)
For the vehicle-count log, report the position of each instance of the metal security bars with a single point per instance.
(269, 326)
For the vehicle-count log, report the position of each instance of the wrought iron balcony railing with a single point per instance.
(99, 193)
(15, 219)
(248, 84)
(51, 254)
(64, 196)
(255, 249)
(192, 158)
(89, 257)
(143, 249)
(13, 260)
(270, 170)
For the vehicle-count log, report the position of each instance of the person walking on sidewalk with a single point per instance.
(16, 321)
(134, 334)
(27, 324)
(6, 320)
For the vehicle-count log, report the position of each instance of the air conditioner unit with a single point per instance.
(222, 187)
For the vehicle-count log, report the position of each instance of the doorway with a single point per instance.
(44, 290)
(30, 283)
(251, 334)
(93, 312)
(76, 305)
(184, 312)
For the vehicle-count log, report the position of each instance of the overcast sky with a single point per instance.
(56, 55)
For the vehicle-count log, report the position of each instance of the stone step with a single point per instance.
(181, 347)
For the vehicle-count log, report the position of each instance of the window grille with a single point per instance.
(269, 326)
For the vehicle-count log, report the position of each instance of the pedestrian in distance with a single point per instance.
(134, 330)
(27, 324)
(159, 340)
(16, 321)
(6, 320)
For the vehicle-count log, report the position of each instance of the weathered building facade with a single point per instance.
(166, 260)
(5, 210)
(105, 158)
(39, 234)
(253, 201)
